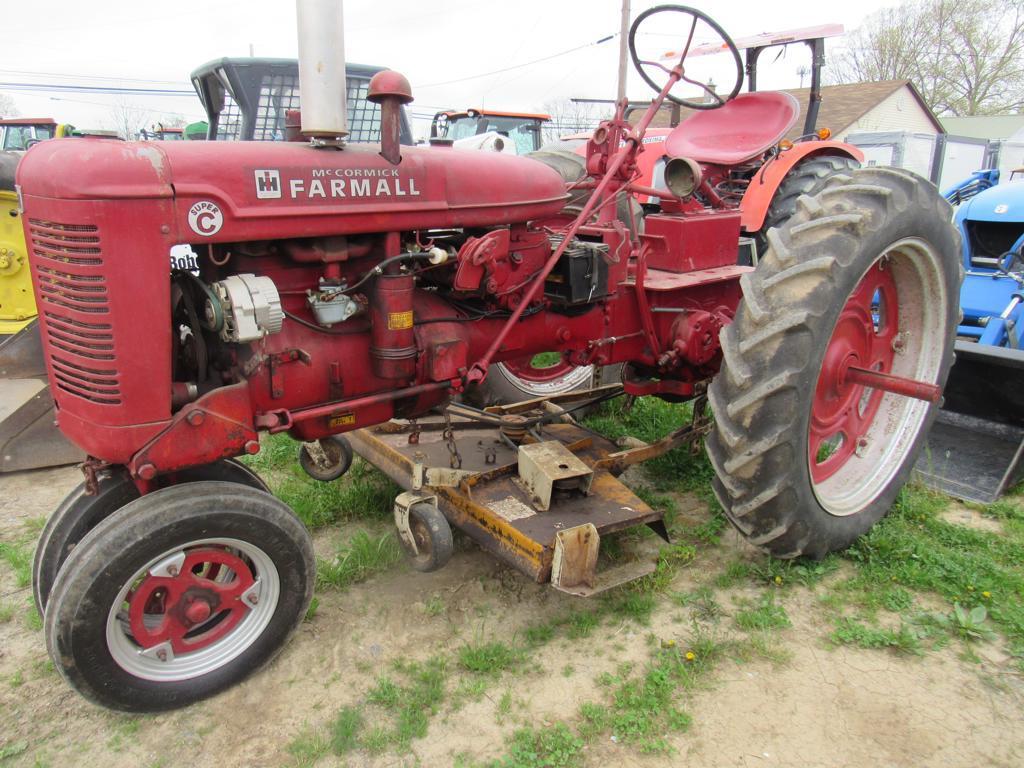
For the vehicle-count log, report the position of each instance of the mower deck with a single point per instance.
(489, 500)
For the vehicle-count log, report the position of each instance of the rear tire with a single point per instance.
(79, 513)
(873, 261)
(808, 177)
(179, 595)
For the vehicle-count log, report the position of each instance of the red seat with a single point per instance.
(743, 129)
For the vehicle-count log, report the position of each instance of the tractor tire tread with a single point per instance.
(756, 446)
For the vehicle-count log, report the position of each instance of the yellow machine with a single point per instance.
(17, 305)
(28, 435)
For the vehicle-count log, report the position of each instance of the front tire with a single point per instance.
(865, 273)
(79, 513)
(179, 595)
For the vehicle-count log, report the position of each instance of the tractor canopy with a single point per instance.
(246, 99)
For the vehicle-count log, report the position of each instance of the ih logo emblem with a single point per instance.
(268, 184)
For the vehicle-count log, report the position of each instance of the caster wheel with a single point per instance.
(433, 537)
(179, 595)
(79, 513)
(326, 460)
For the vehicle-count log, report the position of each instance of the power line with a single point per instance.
(78, 76)
(520, 66)
(107, 90)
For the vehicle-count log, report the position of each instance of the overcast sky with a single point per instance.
(432, 43)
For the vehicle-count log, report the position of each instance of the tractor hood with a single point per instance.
(1004, 202)
(236, 191)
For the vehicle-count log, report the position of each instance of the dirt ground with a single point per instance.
(823, 706)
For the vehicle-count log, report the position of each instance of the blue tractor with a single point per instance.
(975, 447)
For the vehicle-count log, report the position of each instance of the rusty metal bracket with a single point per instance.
(274, 363)
(689, 434)
(403, 503)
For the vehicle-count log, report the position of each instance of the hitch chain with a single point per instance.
(454, 460)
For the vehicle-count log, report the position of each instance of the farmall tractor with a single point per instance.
(346, 289)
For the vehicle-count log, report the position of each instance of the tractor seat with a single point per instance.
(743, 129)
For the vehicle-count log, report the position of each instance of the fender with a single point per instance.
(757, 198)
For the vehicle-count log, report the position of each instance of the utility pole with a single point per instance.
(623, 49)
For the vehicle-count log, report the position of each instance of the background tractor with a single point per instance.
(481, 127)
(20, 133)
(353, 289)
(974, 449)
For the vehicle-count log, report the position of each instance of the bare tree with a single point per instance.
(128, 119)
(569, 117)
(175, 120)
(7, 107)
(965, 56)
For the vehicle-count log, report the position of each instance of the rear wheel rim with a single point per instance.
(893, 321)
(192, 609)
(546, 379)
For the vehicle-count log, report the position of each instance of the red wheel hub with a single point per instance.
(196, 606)
(864, 338)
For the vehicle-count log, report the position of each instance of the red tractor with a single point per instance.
(340, 287)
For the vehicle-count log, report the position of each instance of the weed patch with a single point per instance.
(553, 747)
(766, 615)
(359, 559)
(489, 658)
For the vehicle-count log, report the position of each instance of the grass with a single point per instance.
(308, 747)
(915, 550)
(364, 494)
(644, 707)
(555, 746)
(18, 556)
(649, 419)
(345, 730)
(490, 658)
(582, 624)
(702, 604)
(767, 614)
(359, 559)
(849, 631)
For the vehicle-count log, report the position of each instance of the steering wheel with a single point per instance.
(698, 16)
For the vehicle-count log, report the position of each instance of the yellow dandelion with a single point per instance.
(970, 587)
(986, 594)
(690, 656)
(778, 579)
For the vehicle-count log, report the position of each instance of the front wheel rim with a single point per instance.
(894, 321)
(192, 609)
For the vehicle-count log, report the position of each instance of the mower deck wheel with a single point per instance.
(433, 535)
(327, 459)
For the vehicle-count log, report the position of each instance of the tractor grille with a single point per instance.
(73, 299)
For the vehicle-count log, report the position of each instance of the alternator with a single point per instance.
(247, 308)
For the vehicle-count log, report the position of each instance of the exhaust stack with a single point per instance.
(322, 82)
